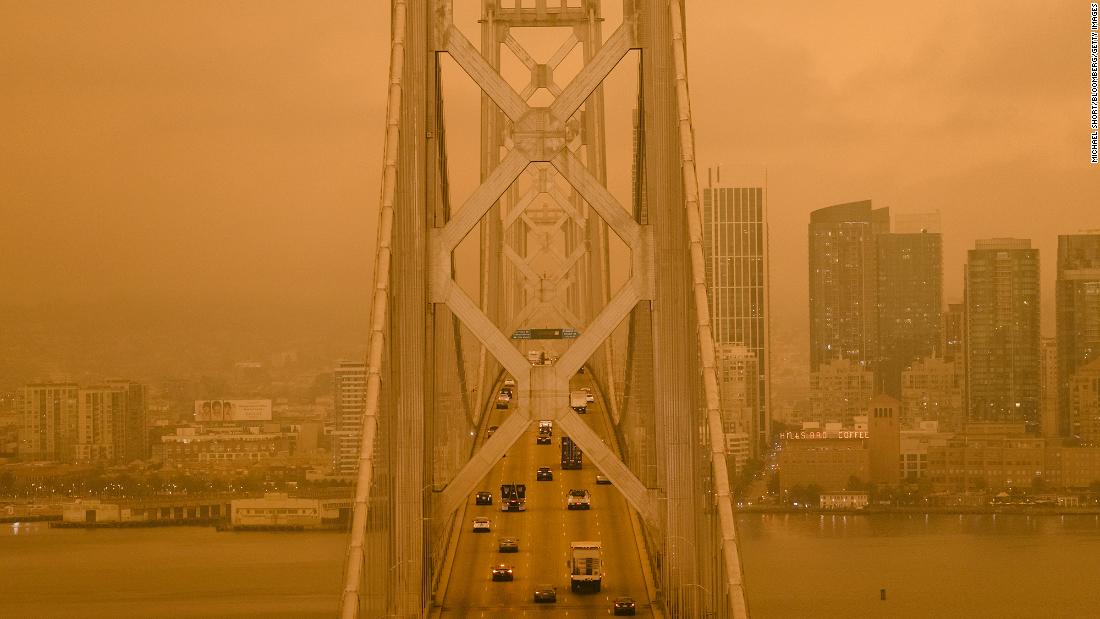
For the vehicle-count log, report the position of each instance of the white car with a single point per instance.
(578, 499)
(481, 525)
(588, 395)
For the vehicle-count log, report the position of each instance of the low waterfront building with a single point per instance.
(279, 510)
(844, 500)
(1079, 467)
(914, 445)
(231, 446)
(149, 512)
(990, 456)
(828, 463)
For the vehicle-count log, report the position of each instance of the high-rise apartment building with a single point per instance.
(1084, 403)
(49, 421)
(737, 384)
(349, 405)
(132, 430)
(951, 348)
(910, 302)
(876, 296)
(735, 249)
(100, 423)
(844, 282)
(1049, 417)
(1002, 331)
(101, 413)
(1077, 302)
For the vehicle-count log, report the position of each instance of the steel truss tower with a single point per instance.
(544, 216)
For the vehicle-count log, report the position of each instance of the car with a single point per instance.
(483, 498)
(578, 499)
(602, 480)
(543, 439)
(507, 544)
(588, 395)
(624, 606)
(546, 593)
(544, 474)
(509, 382)
(502, 404)
(482, 525)
(502, 571)
(491, 430)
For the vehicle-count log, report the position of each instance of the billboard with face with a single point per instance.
(232, 410)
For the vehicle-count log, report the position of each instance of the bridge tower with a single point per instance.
(544, 219)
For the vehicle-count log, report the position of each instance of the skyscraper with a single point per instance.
(735, 249)
(1077, 301)
(1049, 419)
(951, 348)
(1084, 402)
(910, 301)
(844, 282)
(1002, 331)
(349, 404)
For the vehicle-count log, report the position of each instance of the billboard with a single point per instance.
(232, 410)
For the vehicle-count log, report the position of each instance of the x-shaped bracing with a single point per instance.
(539, 136)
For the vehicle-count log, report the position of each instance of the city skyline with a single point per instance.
(161, 229)
(361, 265)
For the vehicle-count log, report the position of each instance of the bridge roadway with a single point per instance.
(544, 532)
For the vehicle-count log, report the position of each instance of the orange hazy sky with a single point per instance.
(213, 151)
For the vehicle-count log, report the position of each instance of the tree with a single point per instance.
(1038, 484)
(813, 494)
(855, 483)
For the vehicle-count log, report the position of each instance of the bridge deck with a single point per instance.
(544, 532)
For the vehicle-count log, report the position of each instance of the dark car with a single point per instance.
(508, 544)
(601, 480)
(502, 572)
(544, 474)
(546, 593)
(491, 430)
(483, 498)
(624, 606)
(543, 439)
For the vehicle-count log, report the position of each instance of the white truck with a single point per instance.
(585, 566)
(578, 401)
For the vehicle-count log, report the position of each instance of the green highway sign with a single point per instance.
(545, 334)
